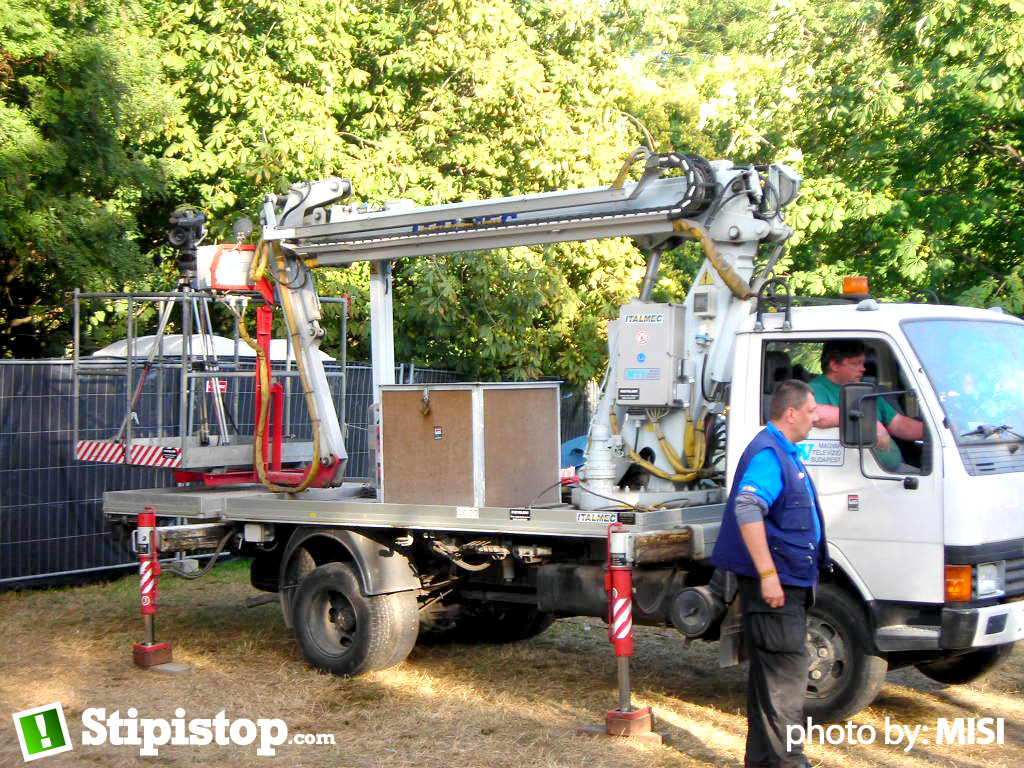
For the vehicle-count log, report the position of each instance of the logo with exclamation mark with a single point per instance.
(42, 731)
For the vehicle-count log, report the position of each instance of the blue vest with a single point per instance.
(788, 524)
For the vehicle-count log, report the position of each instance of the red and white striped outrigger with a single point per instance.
(149, 653)
(111, 452)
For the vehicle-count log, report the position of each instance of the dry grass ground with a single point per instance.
(512, 706)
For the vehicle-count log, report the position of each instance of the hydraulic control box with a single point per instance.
(650, 357)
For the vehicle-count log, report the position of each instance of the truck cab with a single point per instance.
(931, 549)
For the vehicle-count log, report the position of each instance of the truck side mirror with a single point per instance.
(858, 416)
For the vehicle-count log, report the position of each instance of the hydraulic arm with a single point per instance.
(729, 210)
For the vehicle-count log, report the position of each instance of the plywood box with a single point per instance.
(474, 445)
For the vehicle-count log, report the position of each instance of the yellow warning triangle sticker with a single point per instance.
(706, 279)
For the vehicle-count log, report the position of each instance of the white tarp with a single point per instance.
(221, 346)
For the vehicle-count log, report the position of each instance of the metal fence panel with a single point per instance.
(577, 409)
(51, 521)
(50, 517)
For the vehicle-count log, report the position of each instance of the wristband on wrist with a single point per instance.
(767, 574)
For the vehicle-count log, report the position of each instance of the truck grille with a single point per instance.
(1015, 577)
(992, 458)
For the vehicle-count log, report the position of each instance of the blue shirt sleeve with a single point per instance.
(763, 476)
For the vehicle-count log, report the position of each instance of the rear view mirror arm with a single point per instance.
(910, 483)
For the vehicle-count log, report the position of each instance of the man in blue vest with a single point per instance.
(773, 538)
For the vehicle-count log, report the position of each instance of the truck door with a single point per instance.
(885, 536)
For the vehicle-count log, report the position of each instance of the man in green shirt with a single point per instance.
(842, 362)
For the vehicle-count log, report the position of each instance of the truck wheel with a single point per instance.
(966, 667)
(343, 631)
(844, 674)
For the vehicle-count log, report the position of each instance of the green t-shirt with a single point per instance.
(826, 392)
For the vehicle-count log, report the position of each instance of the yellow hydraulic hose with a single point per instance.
(256, 269)
(637, 155)
(680, 477)
(693, 447)
(258, 265)
(729, 276)
(307, 390)
(654, 425)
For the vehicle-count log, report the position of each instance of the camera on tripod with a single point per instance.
(187, 232)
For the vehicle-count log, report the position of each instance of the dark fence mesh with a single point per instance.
(576, 410)
(51, 521)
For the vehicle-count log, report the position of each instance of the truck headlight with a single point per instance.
(990, 578)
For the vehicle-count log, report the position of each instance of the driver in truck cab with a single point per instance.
(843, 362)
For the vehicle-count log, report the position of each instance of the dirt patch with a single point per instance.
(514, 706)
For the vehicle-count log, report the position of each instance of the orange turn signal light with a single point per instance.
(958, 583)
(855, 285)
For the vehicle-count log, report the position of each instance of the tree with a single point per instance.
(83, 118)
(904, 119)
(433, 101)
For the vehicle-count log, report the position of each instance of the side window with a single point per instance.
(873, 362)
(786, 359)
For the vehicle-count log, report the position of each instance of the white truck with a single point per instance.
(465, 533)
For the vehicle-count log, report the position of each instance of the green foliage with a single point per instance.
(518, 314)
(904, 118)
(433, 101)
(79, 119)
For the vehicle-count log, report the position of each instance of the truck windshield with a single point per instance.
(977, 369)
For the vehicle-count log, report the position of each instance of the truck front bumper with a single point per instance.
(979, 627)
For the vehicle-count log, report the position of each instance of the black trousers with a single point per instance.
(773, 641)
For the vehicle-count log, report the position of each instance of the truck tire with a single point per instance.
(966, 667)
(343, 631)
(844, 674)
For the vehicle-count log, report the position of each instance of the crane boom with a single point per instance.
(729, 209)
(647, 210)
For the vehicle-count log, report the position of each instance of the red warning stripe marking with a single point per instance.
(622, 618)
(107, 452)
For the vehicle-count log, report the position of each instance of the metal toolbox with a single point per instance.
(470, 444)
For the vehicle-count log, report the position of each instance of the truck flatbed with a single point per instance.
(346, 506)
